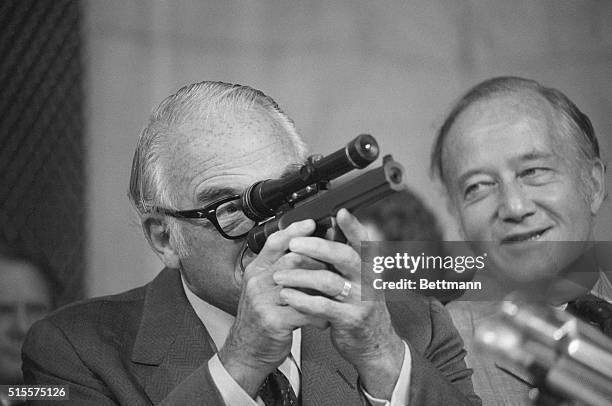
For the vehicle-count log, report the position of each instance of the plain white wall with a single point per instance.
(338, 68)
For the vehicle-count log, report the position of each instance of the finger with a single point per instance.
(343, 257)
(293, 260)
(277, 244)
(297, 319)
(326, 282)
(353, 230)
(318, 306)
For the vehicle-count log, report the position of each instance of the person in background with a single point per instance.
(27, 294)
(403, 216)
(223, 326)
(522, 169)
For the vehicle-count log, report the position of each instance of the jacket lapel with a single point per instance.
(327, 378)
(171, 341)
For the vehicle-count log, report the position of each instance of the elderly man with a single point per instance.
(207, 332)
(521, 166)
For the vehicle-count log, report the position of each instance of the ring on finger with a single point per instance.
(346, 290)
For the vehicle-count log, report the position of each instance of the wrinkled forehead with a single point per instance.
(505, 110)
(518, 114)
(229, 151)
(226, 135)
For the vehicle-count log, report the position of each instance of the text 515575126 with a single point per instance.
(35, 392)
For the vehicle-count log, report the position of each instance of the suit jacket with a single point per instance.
(147, 346)
(496, 382)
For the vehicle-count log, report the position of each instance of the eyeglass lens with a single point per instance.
(232, 219)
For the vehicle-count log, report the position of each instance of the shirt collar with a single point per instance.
(602, 290)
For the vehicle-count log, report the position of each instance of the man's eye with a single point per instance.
(7, 308)
(536, 175)
(229, 209)
(471, 189)
(533, 172)
(476, 190)
(232, 208)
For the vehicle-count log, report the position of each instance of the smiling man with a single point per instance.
(222, 326)
(521, 166)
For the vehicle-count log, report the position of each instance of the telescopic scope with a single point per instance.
(262, 199)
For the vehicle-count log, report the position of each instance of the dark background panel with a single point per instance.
(41, 135)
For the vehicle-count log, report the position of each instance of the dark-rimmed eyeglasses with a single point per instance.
(225, 214)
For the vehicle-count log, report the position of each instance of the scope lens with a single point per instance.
(370, 149)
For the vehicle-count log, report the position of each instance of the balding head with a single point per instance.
(521, 167)
(572, 127)
(203, 113)
(207, 107)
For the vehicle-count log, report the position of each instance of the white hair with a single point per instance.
(194, 103)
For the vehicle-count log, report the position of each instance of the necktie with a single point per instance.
(594, 311)
(277, 391)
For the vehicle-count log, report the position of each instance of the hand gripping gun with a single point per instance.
(567, 359)
(307, 194)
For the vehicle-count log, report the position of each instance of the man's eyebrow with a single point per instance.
(209, 195)
(464, 177)
(290, 170)
(532, 156)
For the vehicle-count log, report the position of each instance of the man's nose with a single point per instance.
(515, 205)
(21, 322)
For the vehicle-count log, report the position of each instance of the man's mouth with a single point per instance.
(529, 236)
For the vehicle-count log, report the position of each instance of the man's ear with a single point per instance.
(598, 186)
(156, 231)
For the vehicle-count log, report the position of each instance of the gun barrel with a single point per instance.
(361, 191)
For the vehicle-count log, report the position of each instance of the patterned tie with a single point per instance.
(594, 311)
(277, 391)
